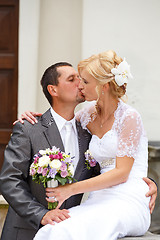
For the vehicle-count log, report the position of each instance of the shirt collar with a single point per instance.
(60, 121)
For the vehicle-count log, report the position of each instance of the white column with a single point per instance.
(59, 38)
(28, 54)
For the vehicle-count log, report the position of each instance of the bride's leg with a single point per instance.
(103, 220)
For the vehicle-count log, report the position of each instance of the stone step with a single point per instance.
(147, 236)
(4, 209)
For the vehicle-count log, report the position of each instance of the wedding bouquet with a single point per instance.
(90, 161)
(51, 166)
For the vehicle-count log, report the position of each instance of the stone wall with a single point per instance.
(154, 173)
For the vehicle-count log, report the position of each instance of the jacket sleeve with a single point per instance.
(13, 178)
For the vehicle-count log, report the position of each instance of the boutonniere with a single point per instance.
(89, 160)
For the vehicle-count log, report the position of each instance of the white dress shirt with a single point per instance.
(60, 122)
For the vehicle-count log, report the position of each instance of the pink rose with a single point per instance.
(63, 167)
(40, 170)
(32, 171)
(44, 173)
(64, 174)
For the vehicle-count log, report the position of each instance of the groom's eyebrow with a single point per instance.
(72, 75)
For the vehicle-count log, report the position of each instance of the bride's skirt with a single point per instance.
(107, 215)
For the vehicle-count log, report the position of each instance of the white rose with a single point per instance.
(42, 152)
(55, 149)
(48, 150)
(55, 164)
(71, 169)
(44, 161)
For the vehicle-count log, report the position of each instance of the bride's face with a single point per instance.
(88, 86)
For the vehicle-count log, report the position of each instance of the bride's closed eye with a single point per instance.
(84, 81)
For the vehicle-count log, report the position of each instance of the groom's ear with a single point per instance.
(52, 90)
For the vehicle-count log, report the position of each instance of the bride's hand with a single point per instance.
(59, 194)
(29, 116)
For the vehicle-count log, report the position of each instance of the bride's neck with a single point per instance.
(107, 106)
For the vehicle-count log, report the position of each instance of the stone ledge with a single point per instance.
(3, 212)
(4, 205)
(3, 201)
(147, 236)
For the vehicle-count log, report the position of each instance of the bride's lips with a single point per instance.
(82, 94)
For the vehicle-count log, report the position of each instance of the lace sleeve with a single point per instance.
(130, 132)
(86, 115)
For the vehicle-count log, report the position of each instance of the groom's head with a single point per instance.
(60, 83)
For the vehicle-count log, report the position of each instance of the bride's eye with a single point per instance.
(85, 81)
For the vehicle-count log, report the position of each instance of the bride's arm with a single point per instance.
(130, 133)
(29, 116)
(113, 177)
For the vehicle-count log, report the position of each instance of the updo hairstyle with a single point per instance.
(99, 66)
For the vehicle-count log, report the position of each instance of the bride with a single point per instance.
(117, 205)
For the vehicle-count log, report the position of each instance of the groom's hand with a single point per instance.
(56, 215)
(151, 193)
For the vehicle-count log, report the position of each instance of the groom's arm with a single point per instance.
(14, 185)
(13, 178)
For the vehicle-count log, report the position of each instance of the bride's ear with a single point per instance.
(105, 87)
(52, 90)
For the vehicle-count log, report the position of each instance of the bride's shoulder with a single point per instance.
(128, 112)
(86, 114)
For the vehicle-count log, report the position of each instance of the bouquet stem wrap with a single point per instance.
(52, 184)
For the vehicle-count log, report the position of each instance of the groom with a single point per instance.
(28, 206)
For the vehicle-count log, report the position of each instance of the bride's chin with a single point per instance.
(90, 99)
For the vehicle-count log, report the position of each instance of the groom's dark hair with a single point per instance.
(50, 77)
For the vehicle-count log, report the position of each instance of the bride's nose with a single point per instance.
(80, 84)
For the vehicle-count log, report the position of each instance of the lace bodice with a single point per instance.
(126, 138)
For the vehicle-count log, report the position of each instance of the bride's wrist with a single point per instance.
(75, 188)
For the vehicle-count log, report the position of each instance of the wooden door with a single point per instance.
(8, 69)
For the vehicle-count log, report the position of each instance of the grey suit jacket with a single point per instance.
(25, 197)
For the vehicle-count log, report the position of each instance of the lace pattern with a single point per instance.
(86, 115)
(127, 125)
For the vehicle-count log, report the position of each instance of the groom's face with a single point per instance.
(67, 88)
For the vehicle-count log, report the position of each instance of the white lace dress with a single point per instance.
(120, 210)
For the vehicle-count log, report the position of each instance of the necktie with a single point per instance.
(68, 139)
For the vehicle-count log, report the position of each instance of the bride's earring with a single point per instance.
(102, 92)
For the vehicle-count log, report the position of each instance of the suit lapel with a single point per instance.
(51, 131)
(83, 140)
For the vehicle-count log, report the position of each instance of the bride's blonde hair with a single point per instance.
(99, 66)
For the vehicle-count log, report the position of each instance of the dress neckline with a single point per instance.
(110, 130)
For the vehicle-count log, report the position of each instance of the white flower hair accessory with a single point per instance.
(122, 73)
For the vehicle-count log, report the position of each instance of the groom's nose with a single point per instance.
(77, 81)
